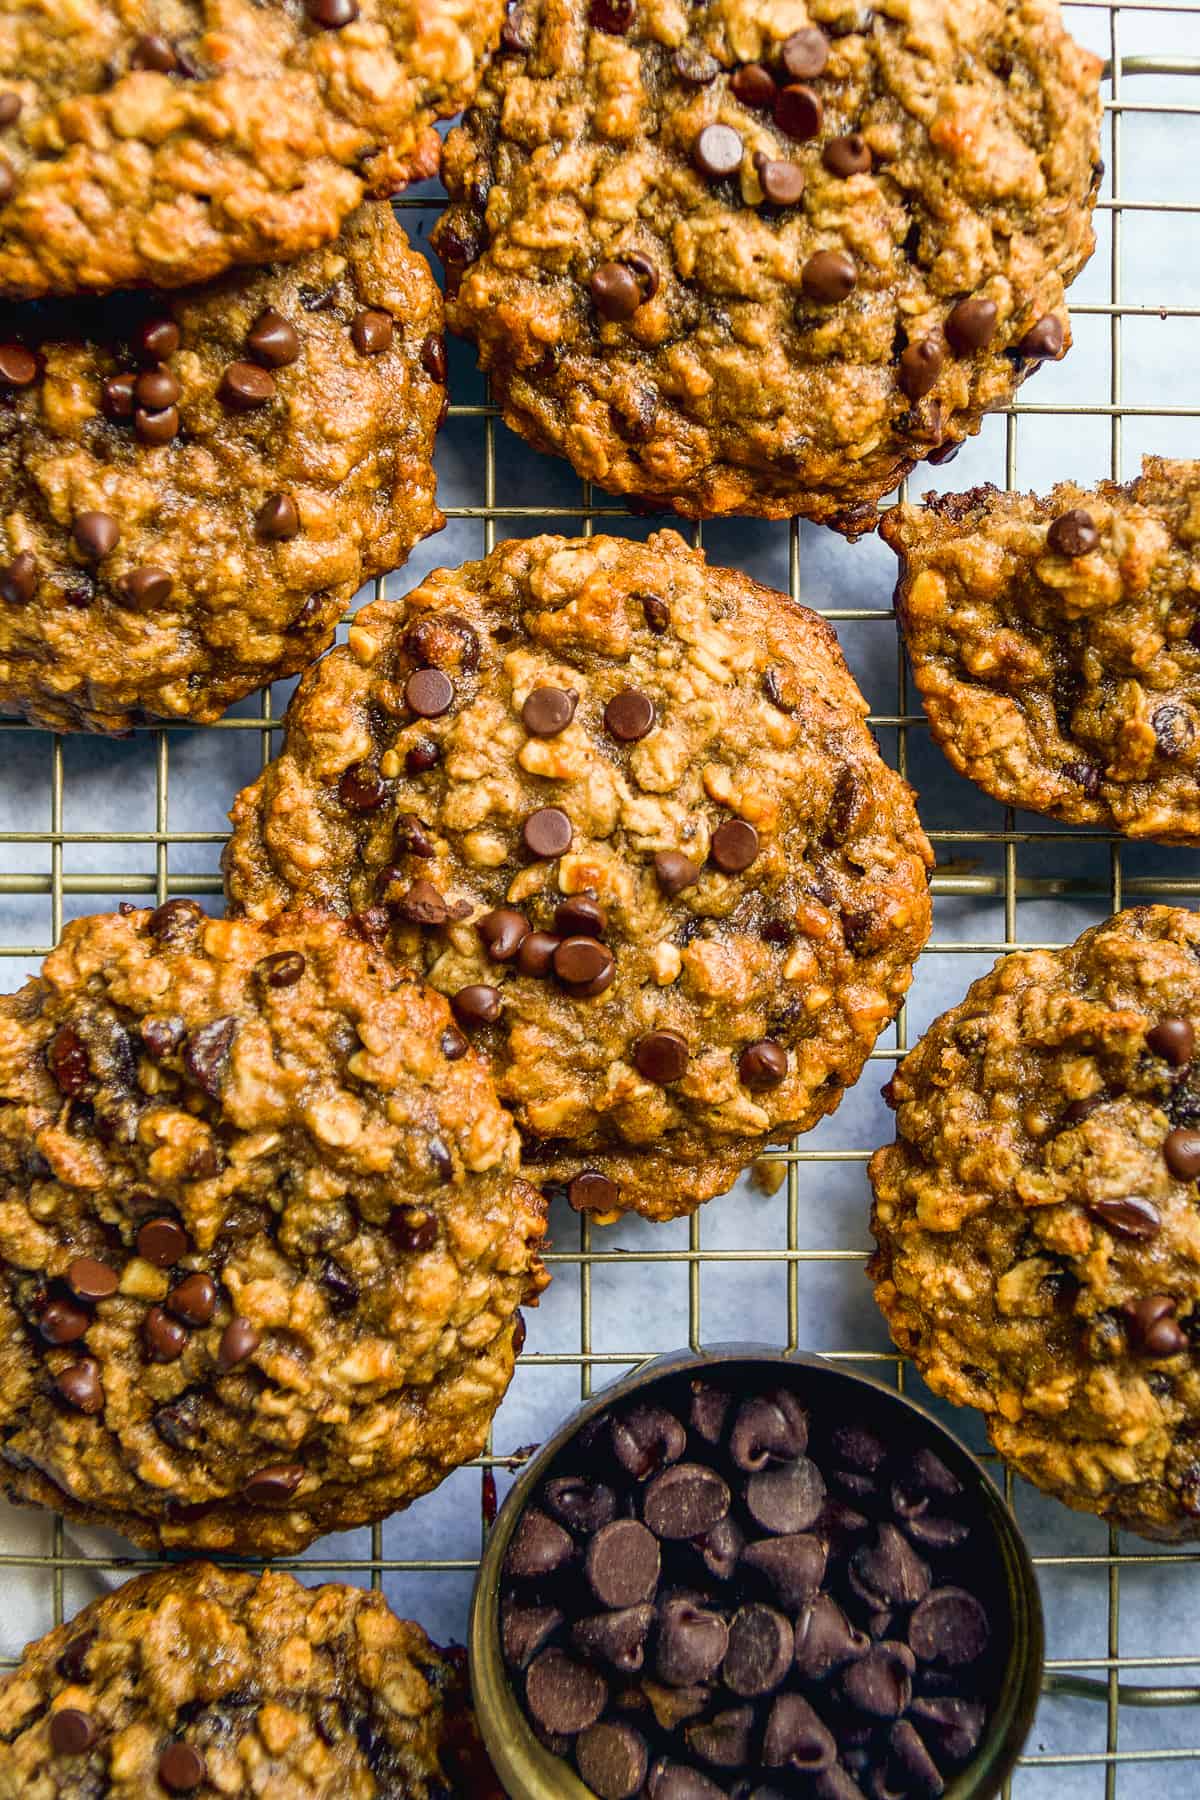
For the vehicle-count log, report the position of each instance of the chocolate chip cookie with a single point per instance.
(163, 144)
(623, 808)
(763, 259)
(191, 490)
(1056, 644)
(262, 1235)
(219, 1681)
(1038, 1216)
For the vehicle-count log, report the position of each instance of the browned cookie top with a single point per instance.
(219, 1681)
(262, 1235)
(191, 490)
(625, 809)
(740, 257)
(1038, 1218)
(164, 141)
(1056, 644)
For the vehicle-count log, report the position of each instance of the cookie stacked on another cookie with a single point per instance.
(222, 1681)
(623, 808)
(263, 1236)
(764, 258)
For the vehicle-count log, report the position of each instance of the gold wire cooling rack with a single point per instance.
(1149, 48)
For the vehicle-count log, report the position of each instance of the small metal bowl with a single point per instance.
(531, 1772)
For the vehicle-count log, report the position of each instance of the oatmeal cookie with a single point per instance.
(1038, 1218)
(1056, 644)
(740, 257)
(162, 142)
(262, 1234)
(227, 1682)
(191, 491)
(624, 809)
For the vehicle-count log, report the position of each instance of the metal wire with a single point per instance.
(1094, 1676)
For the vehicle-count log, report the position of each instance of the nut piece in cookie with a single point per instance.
(1056, 644)
(232, 134)
(198, 1679)
(192, 488)
(263, 1238)
(1037, 1216)
(623, 808)
(765, 258)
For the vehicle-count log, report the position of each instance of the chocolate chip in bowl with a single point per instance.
(748, 1573)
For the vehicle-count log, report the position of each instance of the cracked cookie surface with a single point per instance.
(1038, 1219)
(740, 257)
(161, 144)
(192, 488)
(262, 1232)
(1056, 644)
(223, 1681)
(623, 807)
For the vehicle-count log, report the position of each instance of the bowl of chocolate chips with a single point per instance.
(752, 1573)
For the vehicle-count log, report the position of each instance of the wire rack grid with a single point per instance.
(794, 1260)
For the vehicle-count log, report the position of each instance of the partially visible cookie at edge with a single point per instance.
(622, 806)
(192, 488)
(263, 1233)
(237, 1683)
(227, 134)
(1056, 644)
(1038, 1216)
(764, 258)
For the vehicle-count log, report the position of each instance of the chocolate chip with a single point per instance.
(754, 85)
(429, 693)
(762, 1065)
(18, 580)
(708, 1411)
(692, 1641)
(1152, 1328)
(1172, 726)
(971, 326)
(91, 1280)
(613, 16)
(616, 292)
(1131, 1216)
(880, 1681)
(629, 715)
(656, 613)
(362, 788)
(372, 332)
(63, 1323)
(920, 365)
(928, 1474)
(695, 66)
(272, 340)
(96, 534)
(18, 366)
(805, 53)
(549, 710)
(194, 1300)
(153, 51)
(476, 1005)
(1173, 1039)
(647, 1439)
(1086, 775)
(206, 1054)
(768, 1428)
(181, 1768)
(239, 1340)
(503, 932)
(584, 965)
(275, 1483)
(797, 1737)
(1073, 533)
(563, 1694)
(583, 1505)
(859, 1447)
(536, 954)
(721, 1548)
(782, 183)
(155, 389)
(164, 1337)
(332, 15)
(589, 1191)
(612, 1759)
(825, 1639)
(661, 1056)
(244, 386)
(156, 427)
(433, 357)
(282, 970)
(1043, 340)
(675, 872)
(538, 1546)
(846, 156)
(685, 1501)
(618, 1638)
(723, 1740)
(949, 1626)
(453, 1044)
(944, 453)
(72, 1664)
(524, 1630)
(674, 1781)
(912, 1761)
(10, 107)
(760, 1650)
(622, 1564)
(955, 1725)
(145, 588)
(734, 846)
(162, 1242)
(786, 1499)
(278, 518)
(793, 1565)
(67, 1061)
(1181, 1151)
(799, 112)
(80, 1385)
(718, 151)
(72, 1731)
(412, 1228)
(889, 1571)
